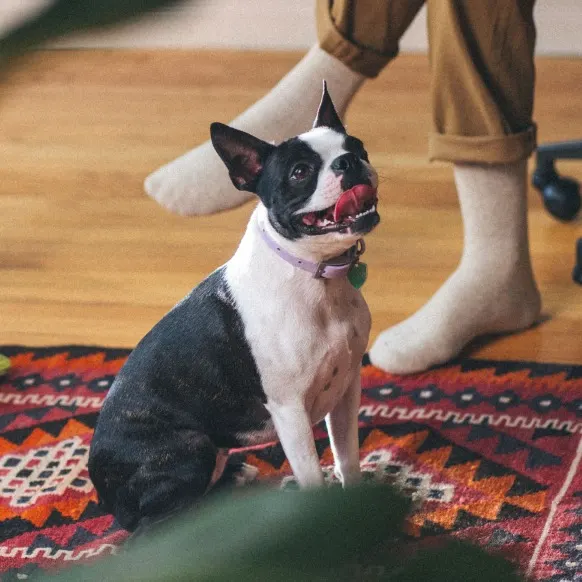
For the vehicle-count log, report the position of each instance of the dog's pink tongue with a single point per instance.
(352, 201)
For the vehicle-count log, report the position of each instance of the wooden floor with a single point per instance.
(87, 258)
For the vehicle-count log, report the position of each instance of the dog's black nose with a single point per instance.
(345, 163)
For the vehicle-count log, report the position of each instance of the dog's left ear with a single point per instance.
(327, 115)
(243, 154)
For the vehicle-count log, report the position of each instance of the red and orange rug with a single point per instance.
(491, 450)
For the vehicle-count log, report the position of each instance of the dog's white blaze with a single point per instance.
(307, 337)
(329, 144)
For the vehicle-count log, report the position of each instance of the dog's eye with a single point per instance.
(300, 172)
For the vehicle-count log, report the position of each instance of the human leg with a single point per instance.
(482, 95)
(356, 40)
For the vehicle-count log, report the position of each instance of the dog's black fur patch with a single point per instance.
(356, 146)
(189, 387)
(279, 193)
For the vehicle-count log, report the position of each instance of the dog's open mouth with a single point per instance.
(355, 210)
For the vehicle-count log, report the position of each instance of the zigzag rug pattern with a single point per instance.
(490, 450)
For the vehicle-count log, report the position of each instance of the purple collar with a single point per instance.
(330, 269)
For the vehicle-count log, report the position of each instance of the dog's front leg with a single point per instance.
(293, 427)
(342, 426)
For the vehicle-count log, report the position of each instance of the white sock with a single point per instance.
(198, 183)
(493, 289)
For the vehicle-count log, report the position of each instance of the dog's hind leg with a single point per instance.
(176, 473)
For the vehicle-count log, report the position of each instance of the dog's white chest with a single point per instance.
(307, 352)
(307, 337)
(338, 339)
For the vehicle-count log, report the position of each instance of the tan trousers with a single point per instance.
(482, 65)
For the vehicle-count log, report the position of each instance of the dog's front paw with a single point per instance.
(349, 476)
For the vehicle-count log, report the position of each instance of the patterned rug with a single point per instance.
(492, 451)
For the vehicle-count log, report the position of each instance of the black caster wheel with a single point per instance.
(577, 273)
(561, 196)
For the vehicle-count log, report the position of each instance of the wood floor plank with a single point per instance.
(86, 257)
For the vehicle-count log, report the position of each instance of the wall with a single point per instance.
(279, 25)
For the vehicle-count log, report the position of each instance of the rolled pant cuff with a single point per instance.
(506, 149)
(362, 60)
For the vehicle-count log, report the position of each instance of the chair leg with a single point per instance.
(561, 196)
(577, 273)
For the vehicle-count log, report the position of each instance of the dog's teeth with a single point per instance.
(366, 212)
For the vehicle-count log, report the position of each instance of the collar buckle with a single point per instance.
(348, 259)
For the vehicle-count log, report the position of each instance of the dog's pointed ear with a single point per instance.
(242, 153)
(327, 115)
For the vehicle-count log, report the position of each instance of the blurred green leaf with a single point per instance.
(456, 562)
(64, 17)
(321, 535)
(267, 535)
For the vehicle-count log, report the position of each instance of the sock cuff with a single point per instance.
(504, 149)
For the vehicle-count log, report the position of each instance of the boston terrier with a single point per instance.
(268, 345)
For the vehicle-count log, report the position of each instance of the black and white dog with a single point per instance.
(265, 347)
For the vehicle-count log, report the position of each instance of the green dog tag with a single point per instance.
(358, 275)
